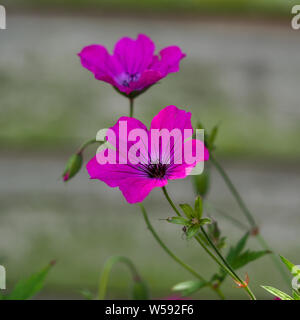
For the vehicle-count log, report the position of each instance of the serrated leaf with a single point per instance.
(296, 295)
(27, 288)
(204, 221)
(247, 257)
(187, 210)
(277, 293)
(235, 251)
(179, 220)
(192, 231)
(189, 287)
(288, 264)
(198, 207)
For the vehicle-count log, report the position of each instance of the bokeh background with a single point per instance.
(242, 71)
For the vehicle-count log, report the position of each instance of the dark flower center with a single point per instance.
(156, 170)
(130, 78)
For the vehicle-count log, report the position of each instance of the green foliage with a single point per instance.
(290, 266)
(237, 258)
(193, 220)
(214, 234)
(296, 295)
(192, 231)
(27, 288)
(198, 208)
(189, 287)
(179, 220)
(277, 293)
(140, 290)
(188, 210)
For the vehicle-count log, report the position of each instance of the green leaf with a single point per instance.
(189, 287)
(247, 257)
(192, 231)
(198, 207)
(296, 295)
(235, 251)
(277, 293)
(204, 221)
(289, 265)
(27, 288)
(187, 210)
(179, 220)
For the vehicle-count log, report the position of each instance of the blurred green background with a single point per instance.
(242, 72)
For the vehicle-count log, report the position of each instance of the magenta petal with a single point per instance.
(137, 189)
(180, 171)
(134, 187)
(170, 118)
(147, 78)
(96, 59)
(170, 60)
(131, 124)
(134, 55)
(111, 174)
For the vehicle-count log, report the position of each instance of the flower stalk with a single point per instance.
(107, 270)
(249, 218)
(131, 107)
(224, 264)
(174, 257)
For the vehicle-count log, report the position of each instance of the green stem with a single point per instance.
(250, 218)
(106, 272)
(131, 103)
(86, 144)
(173, 256)
(224, 266)
(229, 268)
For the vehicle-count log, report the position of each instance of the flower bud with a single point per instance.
(73, 166)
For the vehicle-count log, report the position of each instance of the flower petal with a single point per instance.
(96, 59)
(134, 55)
(170, 60)
(136, 190)
(173, 118)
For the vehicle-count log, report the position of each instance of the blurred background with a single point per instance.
(242, 72)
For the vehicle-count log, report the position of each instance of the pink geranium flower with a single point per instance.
(133, 66)
(136, 180)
